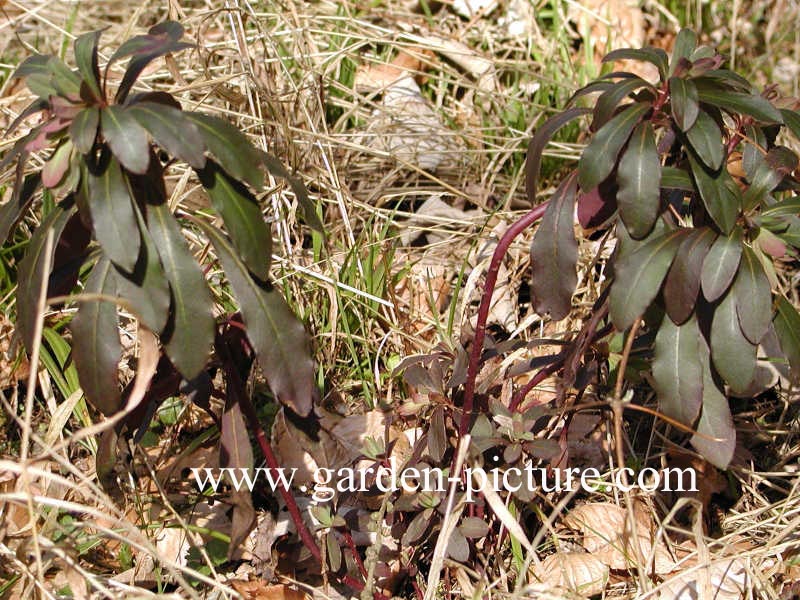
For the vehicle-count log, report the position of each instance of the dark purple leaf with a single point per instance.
(768, 173)
(716, 436)
(756, 106)
(639, 179)
(720, 194)
(684, 102)
(437, 435)
(705, 138)
(685, 44)
(677, 372)
(458, 547)
(753, 297)
(655, 56)
(683, 280)
(539, 141)
(13, 210)
(83, 129)
(595, 208)
(113, 218)
(474, 528)
(638, 276)
(243, 219)
(127, 139)
(278, 338)
(171, 130)
(600, 156)
(720, 265)
(231, 148)
(85, 48)
(787, 328)
(190, 332)
(554, 254)
(733, 355)
(96, 348)
(609, 101)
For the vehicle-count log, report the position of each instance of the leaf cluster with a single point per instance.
(690, 173)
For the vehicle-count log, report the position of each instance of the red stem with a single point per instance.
(483, 311)
(543, 374)
(351, 544)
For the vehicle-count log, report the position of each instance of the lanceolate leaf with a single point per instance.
(716, 436)
(677, 372)
(57, 166)
(610, 99)
(13, 210)
(639, 177)
(655, 56)
(720, 265)
(733, 355)
(96, 349)
(753, 297)
(685, 44)
(788, 207)
(278, 338)
(787, 327)
(554, 254)
(721, 196)
(243, 219)
(600, 156)
(757, 107)
(34, 271)
(86, 58)
(83, 129)
(146, 289)
(171, 130)
(274, 166)
(538, 143)
(705, 138)
(683, 280)
(113, 219)
(792, 120)
(638, 277)
(127, 139)
(684, 102)
(231, 148)
(192, 331)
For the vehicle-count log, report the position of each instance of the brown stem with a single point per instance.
(483, 311)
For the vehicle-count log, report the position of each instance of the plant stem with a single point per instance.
(483, 311)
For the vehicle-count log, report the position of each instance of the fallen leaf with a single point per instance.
(576, 572)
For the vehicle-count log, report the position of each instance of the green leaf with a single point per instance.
(34, 271)
(787, 328)
(83, 129)
(639, 179)
(684, 102)
(753, 297)
(787, 207)
(683, 280)
(705, 138)
(720, 194)
(96, 348)
(677, 372)
(720, 265)
(146, 289)
(243, 219)
(733, 355)
(715, 439)
(769, 172)
(171, 130)
(192, 325)
(278, 338)
(65, 81)
(231, 148)
(685, 44)
(554, 254)
(655, 56)
(127, 139)
(756, 106)
(598, 159)
(113, 219)
(85, 48)
(638, 277)
(610, 99)
(673, 178)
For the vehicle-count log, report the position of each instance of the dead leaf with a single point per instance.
(258, 589)
(584, 574)
(728, 578)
